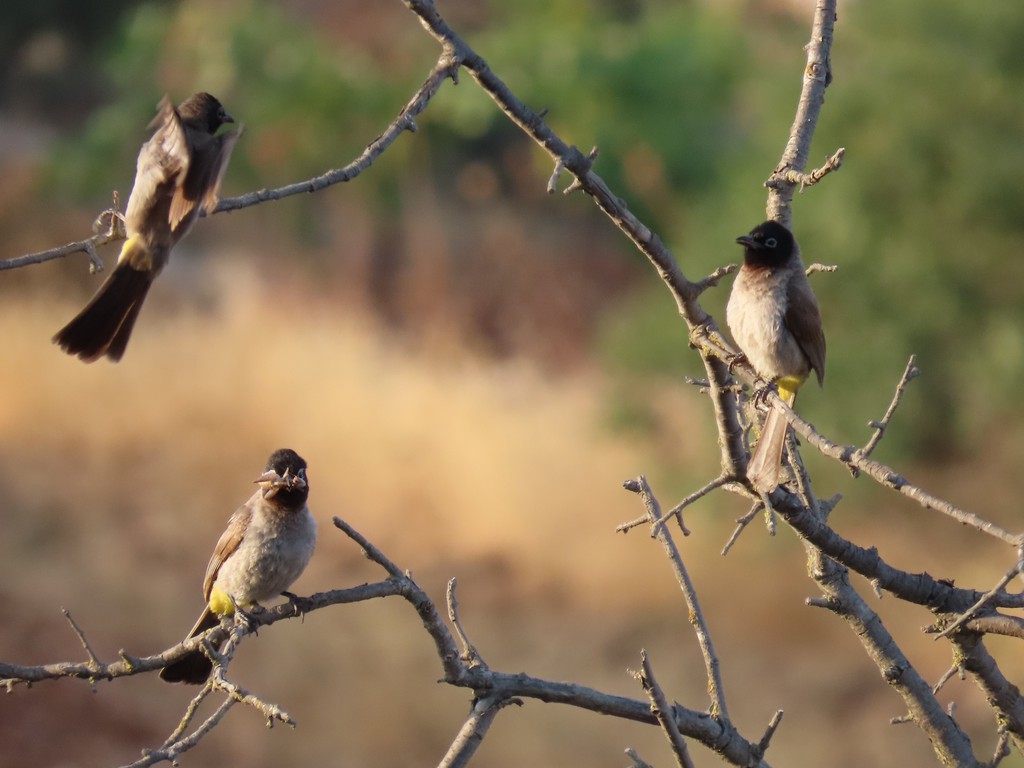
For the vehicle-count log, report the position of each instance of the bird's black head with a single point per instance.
(285, 478)
(768, 245)
(203, 111)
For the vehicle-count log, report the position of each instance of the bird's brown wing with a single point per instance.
(228, 542)
(200, 186)
(162, 166)
(803, 319)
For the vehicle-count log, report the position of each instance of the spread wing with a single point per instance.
(228, 542)
(803, 319)
(161, 168)
(200, 187)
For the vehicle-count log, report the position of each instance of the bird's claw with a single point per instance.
(299, 604)
(733, 360)
(247, 619)
(760, 395)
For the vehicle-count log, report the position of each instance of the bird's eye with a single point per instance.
(771, 242)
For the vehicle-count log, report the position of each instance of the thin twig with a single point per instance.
(971, 612)
(716, 689)
(801, 180)
(662, 710)
(909, 373)
(81, 638)
(190, 713)
(271, 712)
(712, 280)
(677, 510)
(171, 753)
(947, 676)
(469, 651)
(741, 523)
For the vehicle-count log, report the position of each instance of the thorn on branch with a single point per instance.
(638, 762)
(769, 732)
(828, 603)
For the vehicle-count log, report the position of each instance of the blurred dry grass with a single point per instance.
(118, 479)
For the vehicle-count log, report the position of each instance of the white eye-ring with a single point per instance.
(771, 242)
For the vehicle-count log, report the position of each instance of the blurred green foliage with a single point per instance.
(690, 105)
(308, 104)
(925, 220)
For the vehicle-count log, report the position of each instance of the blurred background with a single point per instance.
(472, 367)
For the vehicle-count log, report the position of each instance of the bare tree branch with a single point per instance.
(472, 733)
(114, 232)
(817, 77)
(951, 744)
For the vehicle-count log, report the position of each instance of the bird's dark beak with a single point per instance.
(749, 242)
(227, 118)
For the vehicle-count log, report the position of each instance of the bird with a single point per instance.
(264, 549)
(177, 176)
(775, 320)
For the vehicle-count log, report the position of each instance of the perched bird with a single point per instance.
(775, 320)
(265, 548)
(178, 175)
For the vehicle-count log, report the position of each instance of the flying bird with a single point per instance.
(177, 176)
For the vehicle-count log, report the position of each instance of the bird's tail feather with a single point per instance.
(104, 326)
(196, 666)
(766, 462)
